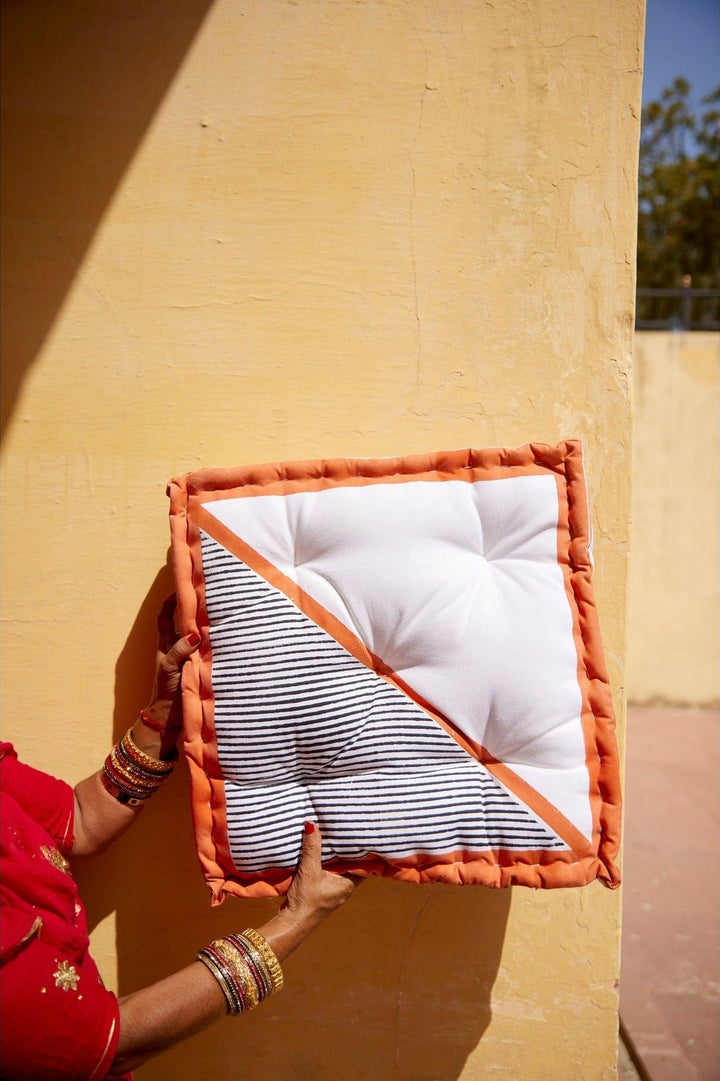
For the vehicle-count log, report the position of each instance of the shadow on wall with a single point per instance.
(61, 161)
(396, 985)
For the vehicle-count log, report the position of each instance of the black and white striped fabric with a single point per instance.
(305, 731)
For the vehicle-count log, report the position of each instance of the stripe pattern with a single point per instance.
(306, 731)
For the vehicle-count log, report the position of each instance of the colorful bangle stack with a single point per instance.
(130, 775)
(245, 967)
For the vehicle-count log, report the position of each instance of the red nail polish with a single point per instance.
(309, 827)
(193, 639)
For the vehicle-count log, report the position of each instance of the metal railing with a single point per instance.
(678, 309)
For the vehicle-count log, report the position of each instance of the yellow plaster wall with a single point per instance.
(247, 231)
(674, 593)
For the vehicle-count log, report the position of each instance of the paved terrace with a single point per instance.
(670, 982)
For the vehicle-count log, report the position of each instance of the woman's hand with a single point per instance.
(314, 893)
(189, 1000)
(164, 707)
(99, 817)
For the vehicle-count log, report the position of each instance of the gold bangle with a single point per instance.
(145, 761)
(222, 975)
(134, 774)
(228, 963)
(241, 971)
(119, 792)
(127, 783)
(268, 956)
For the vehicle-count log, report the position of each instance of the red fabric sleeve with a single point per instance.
(47, 800)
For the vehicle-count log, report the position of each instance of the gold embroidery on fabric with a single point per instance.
(109, 1039)
(55, 858)
(66, 976)
(34, 930)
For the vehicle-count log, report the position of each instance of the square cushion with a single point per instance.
(406, 651)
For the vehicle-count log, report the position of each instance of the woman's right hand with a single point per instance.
(187, 1001)
(314, 893)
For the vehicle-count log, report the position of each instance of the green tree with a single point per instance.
(679, 201)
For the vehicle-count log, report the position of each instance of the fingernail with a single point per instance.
(309, 827)
(193, 639)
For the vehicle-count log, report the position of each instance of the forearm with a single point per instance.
(161, 1015)
(167, 1012)
(99, 817)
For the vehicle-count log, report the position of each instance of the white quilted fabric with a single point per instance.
(457, 588)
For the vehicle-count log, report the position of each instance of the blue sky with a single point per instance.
(682, 37)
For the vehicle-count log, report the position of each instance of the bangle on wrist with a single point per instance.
(129, 775)
(245, 967)
(156, 766)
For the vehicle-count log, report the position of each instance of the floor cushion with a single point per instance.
(405, 651)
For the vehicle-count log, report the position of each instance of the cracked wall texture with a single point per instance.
(254, 231)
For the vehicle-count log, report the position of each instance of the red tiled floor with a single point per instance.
(670, 981)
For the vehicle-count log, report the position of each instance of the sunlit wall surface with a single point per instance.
(674, 598)
(242, 232)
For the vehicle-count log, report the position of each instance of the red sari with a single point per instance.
(58, 1021)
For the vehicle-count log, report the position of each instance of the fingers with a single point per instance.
(166, 623)
(181, 650)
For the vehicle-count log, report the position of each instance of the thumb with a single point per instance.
(311, 844)
(182, 649)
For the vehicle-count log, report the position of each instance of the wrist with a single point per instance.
(131, 772)
(286, 930)
(155, 738)
(158, 711)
